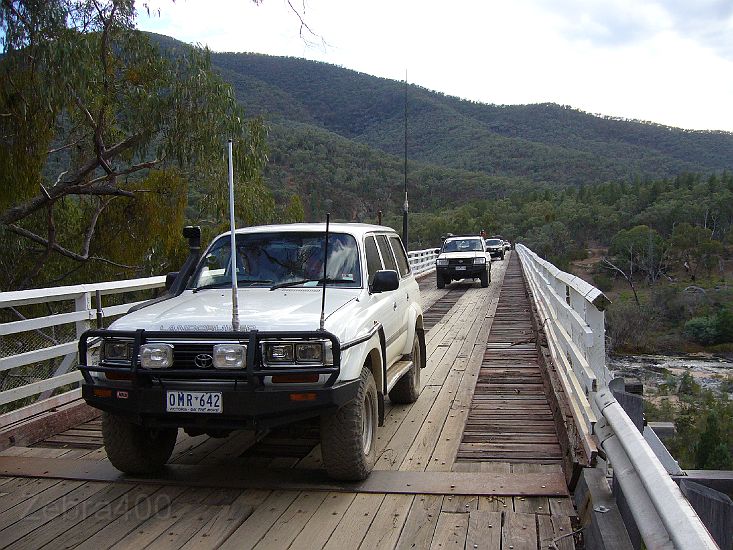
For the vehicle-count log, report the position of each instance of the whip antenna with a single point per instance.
(235, 304)
(325, 271)
(405, 206)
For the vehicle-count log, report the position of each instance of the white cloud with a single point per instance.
(668, 61)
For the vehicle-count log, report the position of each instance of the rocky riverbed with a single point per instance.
(710, 371)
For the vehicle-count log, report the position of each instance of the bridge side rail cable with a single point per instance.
(572, 314)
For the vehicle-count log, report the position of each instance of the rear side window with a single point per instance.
(374, 264)
(400, 255)
(387, 257)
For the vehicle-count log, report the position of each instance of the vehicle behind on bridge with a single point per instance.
(463, 258)
(496, 247)
(313, 341)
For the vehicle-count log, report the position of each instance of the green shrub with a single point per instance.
(702, 330)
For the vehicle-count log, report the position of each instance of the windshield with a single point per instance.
(493, 242)
(270, 259)
(463, 245)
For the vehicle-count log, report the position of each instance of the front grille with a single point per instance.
(460, 261)
(184, 355)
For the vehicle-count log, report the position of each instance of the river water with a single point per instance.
(708, 370)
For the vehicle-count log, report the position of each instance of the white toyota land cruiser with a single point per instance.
(463, 258)
(178, 362)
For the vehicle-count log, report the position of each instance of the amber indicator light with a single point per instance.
(303, 397)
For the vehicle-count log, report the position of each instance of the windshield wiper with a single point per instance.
(301, 281)
(229, 283)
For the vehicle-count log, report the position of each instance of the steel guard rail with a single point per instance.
(572, 314)
(82, 315)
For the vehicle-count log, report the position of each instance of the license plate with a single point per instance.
(460, 268)
(193, 401)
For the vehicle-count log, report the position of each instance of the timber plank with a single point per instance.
(152, 527)
(292, 521)
(398, 445)
(21, 492)
(101, 517)
(190, 523)
(256, 526)
(555, 532)
(125, 523)
(37, 501)
(519, 531)
(388, 522)
(420, 524)
(459, 503)
(355, 523)
(495, 504)
(450, 532)
(320, 526)
(418, 455)
(484, 530)
(60, 515)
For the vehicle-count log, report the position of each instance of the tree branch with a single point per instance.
(64, 251)
(20, 211)
(608, 263)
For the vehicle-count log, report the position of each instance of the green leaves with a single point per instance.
(106, 133)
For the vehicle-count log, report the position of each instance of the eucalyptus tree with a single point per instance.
(101, 137)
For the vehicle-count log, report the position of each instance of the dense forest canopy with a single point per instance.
(101, 139)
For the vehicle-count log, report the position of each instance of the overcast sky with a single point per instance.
(666, 61)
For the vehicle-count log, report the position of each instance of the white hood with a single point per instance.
(259, 309)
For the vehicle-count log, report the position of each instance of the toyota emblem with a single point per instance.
(204, 361)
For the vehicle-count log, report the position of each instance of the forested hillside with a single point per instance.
(337, 140)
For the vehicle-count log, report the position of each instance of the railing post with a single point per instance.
(83, 302)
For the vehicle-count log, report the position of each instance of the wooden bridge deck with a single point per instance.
(62, 492)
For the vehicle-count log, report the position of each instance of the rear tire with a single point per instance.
(349, 435)
(135, 449)
(484, 279)
(407, 388)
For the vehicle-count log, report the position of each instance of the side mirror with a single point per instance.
(385, 280)
(437, 250)
(170, 278)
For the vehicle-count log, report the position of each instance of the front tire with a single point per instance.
(135, 449)
(441, 282)
(407, 388)
(484, 279)
(349, 435)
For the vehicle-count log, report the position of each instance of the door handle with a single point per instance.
(394, 306)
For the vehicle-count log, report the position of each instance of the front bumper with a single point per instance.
(242, 407)
(496, 253)
(246, 400)
(470, 271)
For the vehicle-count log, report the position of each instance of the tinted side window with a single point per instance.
(387, 257)
(374, 264)
(399, 253)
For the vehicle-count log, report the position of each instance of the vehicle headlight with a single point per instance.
(479, 260)
(279, 353)
(156, 356)
(298, 353)
(230, 356)
(442, 261)
(117, 350)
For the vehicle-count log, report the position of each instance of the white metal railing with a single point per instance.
(572, 314)
(81, 316)
(421, 261)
